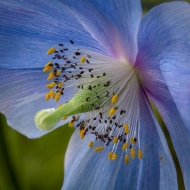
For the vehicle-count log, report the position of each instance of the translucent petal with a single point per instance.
(126, 16)
(29, 28)
(164, 52)
(85, 169)
(164, 45)
(22, 95)
(113, 23)
(178, 131)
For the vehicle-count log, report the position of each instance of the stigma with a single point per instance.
(99, 97)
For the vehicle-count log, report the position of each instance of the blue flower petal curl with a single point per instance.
(113, 23)
(85, 169)
(164, 53)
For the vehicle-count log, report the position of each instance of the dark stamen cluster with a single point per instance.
(107, 135)
(70, 66)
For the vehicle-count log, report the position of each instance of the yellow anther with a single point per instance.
(82, 59)
(112, 111)
(132, 152)
(126, 159)
(60, 84)
(115, 140)
(58, 73)
(126, 128)
(98, 149)
(71, 123)
(90, 144)
(110, 154)
(114, 156)
(57, 96)
(48, 96)
(140, 154)
(51, 50)
(64, 118)
(81, 133)
(50, 76)
(48, 64)
(52, 94)
(114, 99)
(125, 146)
(132, 140)
(47, 68)
(51, 85)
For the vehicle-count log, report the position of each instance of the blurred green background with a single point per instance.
(28, 164)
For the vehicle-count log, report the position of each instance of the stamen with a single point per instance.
(58, 73)
(47, 68)
(125, 146)
(98, 149)
(140, 154)
(60, 85)
(132, 152)
(90, 144)
(51, 85)
(48, 64)
(126, 128)
(110, 154)
(71, 123)
(126, 159)
(57, 96)
(48, 96)
(115, 140)
(51, 50)
(114, 156)
(114, 99)
(132, 140)
(52, 94)
(81, 133)
(112, 111)
(50, 76)
(83, 59)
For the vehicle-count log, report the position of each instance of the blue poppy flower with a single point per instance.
(108, 63)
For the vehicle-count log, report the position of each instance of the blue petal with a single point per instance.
(179, 132)
(113, 23)
(22, 95)
(164, 41)
(164, 52)
(85, 169)
(29, 28)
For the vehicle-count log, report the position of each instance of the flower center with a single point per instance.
(105, 100)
